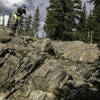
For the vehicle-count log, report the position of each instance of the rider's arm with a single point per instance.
(25, 15)
(17, 11)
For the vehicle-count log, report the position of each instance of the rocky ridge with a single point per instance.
(41, 69)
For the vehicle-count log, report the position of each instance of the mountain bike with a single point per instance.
(15, 27)
(18, 25)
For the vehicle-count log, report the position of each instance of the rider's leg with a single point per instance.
(15, 22)
(15, 19)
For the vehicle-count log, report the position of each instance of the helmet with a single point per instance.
(24, 5)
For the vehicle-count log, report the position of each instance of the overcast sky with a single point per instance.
(10, 5)
(7, 6)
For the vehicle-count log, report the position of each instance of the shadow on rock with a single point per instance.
(78, 93)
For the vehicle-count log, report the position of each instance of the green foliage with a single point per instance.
(63, 15)
(27, 25)
(91, 23)
(82, 25)
(90, 26)
(96, 14)
(94, 22)
(9, 21)
(36, 20)
(61, 18)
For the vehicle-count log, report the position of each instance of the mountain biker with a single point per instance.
(18, 14)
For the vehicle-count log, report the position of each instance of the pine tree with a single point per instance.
(9, 21)
(36, 21)
(27, 25)
(91, 23)
(61, 17)
(82, 25)
(3, 21)
(96, 14)
(82, 19)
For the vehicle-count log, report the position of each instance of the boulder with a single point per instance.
(47, 46)
(42, 69)
(77, 51)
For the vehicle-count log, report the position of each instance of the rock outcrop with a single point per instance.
(41, 69)
(78, 51)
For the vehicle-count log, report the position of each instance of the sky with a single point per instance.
(8, 6)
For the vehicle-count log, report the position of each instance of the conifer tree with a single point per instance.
(3, 21)
(9, 21)
(91, 23)
(36, 21)
(82, 25)
(96, 14)
(61, 17)
(27, 25)
(82, 19)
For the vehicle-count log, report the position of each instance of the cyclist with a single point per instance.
(18, 14)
